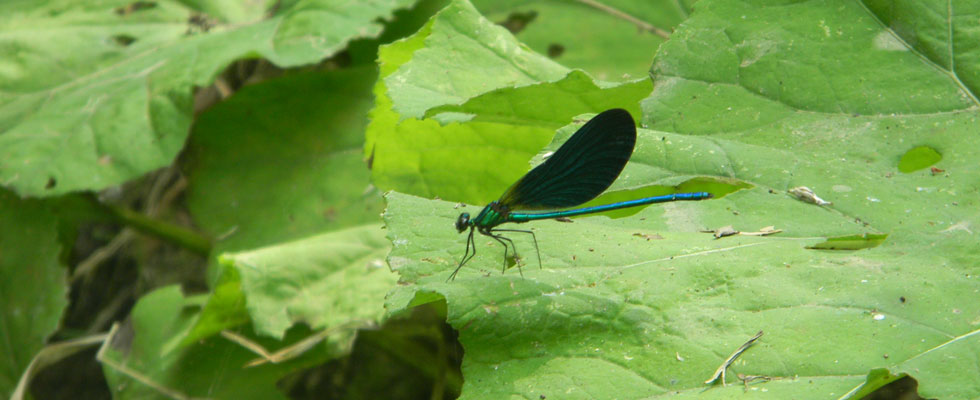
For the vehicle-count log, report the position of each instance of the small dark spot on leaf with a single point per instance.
(135, 6)
(555, 50)
(901, 299)
(200, 22)
(517, 21)
(51, 183)
(124, 40)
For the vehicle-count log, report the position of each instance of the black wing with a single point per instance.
(581, 169)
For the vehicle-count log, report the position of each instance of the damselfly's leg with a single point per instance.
(466, 256)
(535, 238)
(501, 239)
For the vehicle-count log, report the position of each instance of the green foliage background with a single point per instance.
(253, 146)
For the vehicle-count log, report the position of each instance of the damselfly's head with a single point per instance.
(463, 222)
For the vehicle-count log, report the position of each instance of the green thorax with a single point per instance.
(492, 215)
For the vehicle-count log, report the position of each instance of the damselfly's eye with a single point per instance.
(462, 222)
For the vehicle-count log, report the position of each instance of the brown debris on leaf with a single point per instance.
(729, 231)
(805, 194)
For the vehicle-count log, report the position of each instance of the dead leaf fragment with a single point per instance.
(648, 236)
(805, 194)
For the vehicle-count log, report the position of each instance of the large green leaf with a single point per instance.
(898, 79)
(325, 281)
(766, 98)
(425, 157)
(281, 160)
(95, 93)
(332, 283)
(32, 288)
(274, 170)
(483, 60)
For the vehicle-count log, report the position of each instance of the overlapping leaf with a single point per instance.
(96, 93)
(280, 160)
(137, 368)
(332, 283)
(424, 157)
(33, 290)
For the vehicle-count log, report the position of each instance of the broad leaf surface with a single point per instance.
(898, 79)
(33, 289)
(324, 281)
(281, 160)
(768, 97)
(93, 94)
